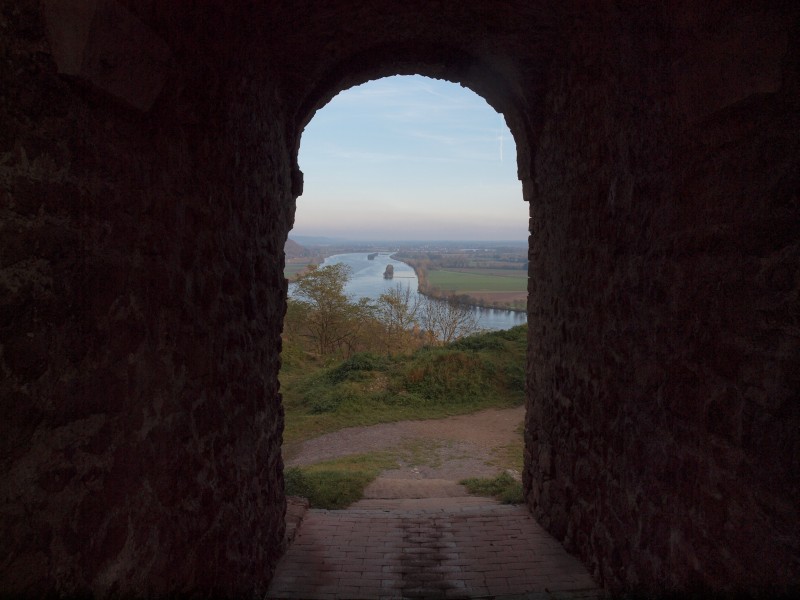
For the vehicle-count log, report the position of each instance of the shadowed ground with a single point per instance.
(418, 534)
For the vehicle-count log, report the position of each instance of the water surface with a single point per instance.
(367, 282)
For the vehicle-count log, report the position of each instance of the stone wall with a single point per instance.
(662, 442)
(147, 178)
(141, 295)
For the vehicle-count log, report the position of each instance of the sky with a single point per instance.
(409, 158)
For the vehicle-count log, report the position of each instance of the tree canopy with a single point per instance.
(399, 321)
(328, 315)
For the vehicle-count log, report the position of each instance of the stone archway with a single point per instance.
(450, 64)
(148, 175)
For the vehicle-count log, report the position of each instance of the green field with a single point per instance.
(479, 280)
(292, 269)
(516, 273)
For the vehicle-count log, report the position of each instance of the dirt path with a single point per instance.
(450, 449)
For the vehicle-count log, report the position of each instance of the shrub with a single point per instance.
(515, 377)
(353, 367)
(512, 494)
(478, 342)
(446, 376)
(325, 403)
(323, 398)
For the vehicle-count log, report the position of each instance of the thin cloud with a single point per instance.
(403, 151)
(341, 153)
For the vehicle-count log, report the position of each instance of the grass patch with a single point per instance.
(337, 483)
(459, 281)
(511, 456)
(503, 487)
(326, 489)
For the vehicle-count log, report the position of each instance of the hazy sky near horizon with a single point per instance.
(409, 158)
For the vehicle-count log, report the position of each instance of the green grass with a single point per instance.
(337, 483)
(503, 487)
(482, 371)
(478, 281)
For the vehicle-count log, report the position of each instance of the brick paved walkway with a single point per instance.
(452, 548)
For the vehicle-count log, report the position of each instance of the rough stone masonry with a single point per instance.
(148, 174)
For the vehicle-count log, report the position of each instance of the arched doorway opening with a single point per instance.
(442, 155)
(414, 473)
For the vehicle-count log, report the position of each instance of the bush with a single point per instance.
(447, 377)
(353, 367)
(515, 377)
(492, 341)
(323, 398)
(325, 403)
(478, 342)
(512, 494)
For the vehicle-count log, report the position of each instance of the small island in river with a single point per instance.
(389, 272)
(372, 256)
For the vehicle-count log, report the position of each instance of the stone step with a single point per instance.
(455, 551)
(296, 509)
(456, 504)
(389, 487)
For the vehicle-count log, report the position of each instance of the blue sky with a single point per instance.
(405, 158)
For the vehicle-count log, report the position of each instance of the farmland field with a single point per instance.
(500, 299)
(479, 280)
(292, 269)
(516, 273)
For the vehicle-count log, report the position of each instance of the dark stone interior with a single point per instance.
(148, 174)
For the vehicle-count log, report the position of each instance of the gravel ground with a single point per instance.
(439, 449)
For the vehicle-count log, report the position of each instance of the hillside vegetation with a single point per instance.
(476, 372)
(349, 363)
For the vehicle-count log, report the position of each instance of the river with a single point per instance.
(367, 282)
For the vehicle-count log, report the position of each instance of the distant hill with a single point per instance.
(294, 250)
(317, 240)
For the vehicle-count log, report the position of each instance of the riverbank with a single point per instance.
(367, 281)
(512, 301)
(297, 267)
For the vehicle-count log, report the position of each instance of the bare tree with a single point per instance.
(447, 321)
(397, 312)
